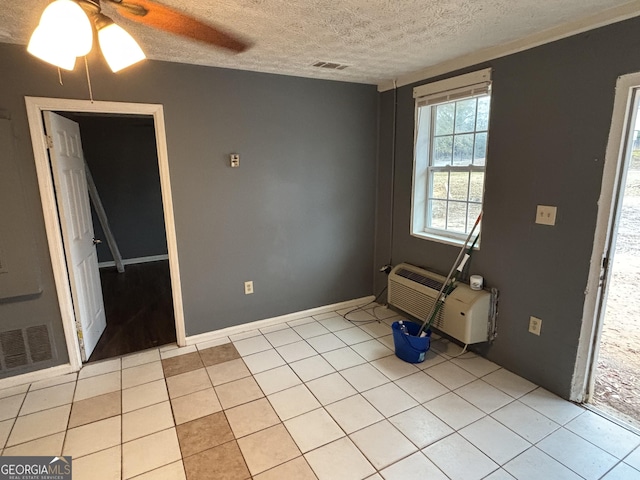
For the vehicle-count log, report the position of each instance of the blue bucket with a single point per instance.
(410, 347)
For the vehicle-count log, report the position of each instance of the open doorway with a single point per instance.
(120, 153)
(73, 316)
(608, 355)
(617, 374)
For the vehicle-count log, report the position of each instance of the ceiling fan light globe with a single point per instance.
(45, 47)
(69, 22)
(120, 50)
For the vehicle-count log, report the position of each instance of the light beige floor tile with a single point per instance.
(98, 385)
(150, 452)
(188, 382)
(95, 408)
(10, 406)
(394, 368)
(248, 346)
(173, 471)
(213, 343)
(176, 352)
(195, 405)
(228, 371)
(144, 395)
(40, 424)
(382, 444)
(446, 454)
(475, 364)
(293, 402)
(421, 426)
(339, 459)
(283, 336)
(268, 448)
(296, 351)
(50, 445)
(51, 382)
(10, 392)
(146, 420)
(100, 368)
(297, 469)
(48, 398)
(238, 392)
(93, 437)
(103, 465)
(313, 429)
(331, 388)
(262, 361)
(251, 417)
(354, 413)
(414, 467)
(146, 373)
(277, 379)
(5, 429)
(389, 399)
(140, 358)
(312, 367)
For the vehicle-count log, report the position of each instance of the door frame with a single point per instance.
(35, 107)
(613, 176)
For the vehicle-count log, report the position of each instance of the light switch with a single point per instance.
(546, 215)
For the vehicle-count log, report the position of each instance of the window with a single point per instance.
(452, 127)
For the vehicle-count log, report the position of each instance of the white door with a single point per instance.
(68, 166)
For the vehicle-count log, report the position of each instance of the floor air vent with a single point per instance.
(25, 346)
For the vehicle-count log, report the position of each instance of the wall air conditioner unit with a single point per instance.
(465, 314)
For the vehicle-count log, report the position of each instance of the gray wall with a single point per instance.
(550, 120)
(121, 153)
(297, 217)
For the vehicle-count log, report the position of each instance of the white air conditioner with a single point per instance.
(465, 314)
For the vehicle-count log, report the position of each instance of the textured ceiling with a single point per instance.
(378, 39)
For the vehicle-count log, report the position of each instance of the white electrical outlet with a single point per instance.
(234, 160)
(535, 325)
(546, 215)
(248, 287)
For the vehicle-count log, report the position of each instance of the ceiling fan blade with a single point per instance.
(172, 21)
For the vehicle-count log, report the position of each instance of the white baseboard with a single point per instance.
(245, 327)
(35, 376)
(133, 261)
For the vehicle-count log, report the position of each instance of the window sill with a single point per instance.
(442, 239)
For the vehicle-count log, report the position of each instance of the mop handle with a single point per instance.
(453, 268)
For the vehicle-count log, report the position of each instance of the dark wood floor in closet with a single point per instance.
(139, 309)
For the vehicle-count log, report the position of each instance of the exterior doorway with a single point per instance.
(608, 362)
(617, 374)
(67, 296)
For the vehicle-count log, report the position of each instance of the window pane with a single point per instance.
(439, 185)
(474, 211)
(465, 115)
(459, 186)
(444, 119)
(480, 150)
(442, 150)
(476, 186)
(483, 113)
(463, 149)
(456, 220)
(438, 214)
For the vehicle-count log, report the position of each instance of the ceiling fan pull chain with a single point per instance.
(86, 67)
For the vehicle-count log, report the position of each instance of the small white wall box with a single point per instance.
(235, 160)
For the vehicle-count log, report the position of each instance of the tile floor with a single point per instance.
(318, 398)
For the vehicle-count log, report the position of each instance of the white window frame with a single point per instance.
(432, 94)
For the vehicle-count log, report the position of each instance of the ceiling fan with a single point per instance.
(66, 27)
